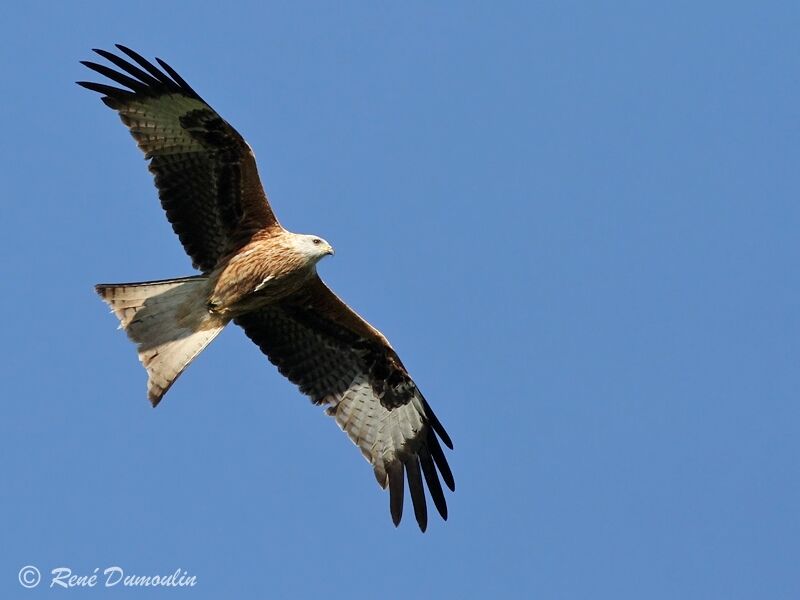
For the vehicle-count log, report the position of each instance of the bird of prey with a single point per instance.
(263, 278)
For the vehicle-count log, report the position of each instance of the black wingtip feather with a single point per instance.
(116, 76)
(146, 65)
(436, 424)
(417, 492)
(148, 80)
(178, 79)
(128, 67)
(396, 484)
(432, 479)
(441, 462)
(107, 90)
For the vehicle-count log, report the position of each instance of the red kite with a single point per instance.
(263, 278)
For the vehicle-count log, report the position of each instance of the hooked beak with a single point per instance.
(330, 250)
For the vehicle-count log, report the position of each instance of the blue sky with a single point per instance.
(576, 222)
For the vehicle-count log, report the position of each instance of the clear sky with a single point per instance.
(576, 222)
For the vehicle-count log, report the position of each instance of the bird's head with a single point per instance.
(313, 247)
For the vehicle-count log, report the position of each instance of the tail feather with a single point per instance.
(169, 323)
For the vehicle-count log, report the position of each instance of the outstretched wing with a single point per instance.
(204, 170)
(335, 357)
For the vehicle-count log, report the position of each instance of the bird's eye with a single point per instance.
(317, 241)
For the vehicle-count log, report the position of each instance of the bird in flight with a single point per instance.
(263, 278)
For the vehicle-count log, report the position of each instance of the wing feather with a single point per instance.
(441, 463)
(205, 172)
(432, 479)
(121, 63)
(151, 68)
(417, 491)
(338, 359)
(396, 491)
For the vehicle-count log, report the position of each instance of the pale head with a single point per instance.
(312, 247)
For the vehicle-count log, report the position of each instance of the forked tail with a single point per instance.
(169, 323)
